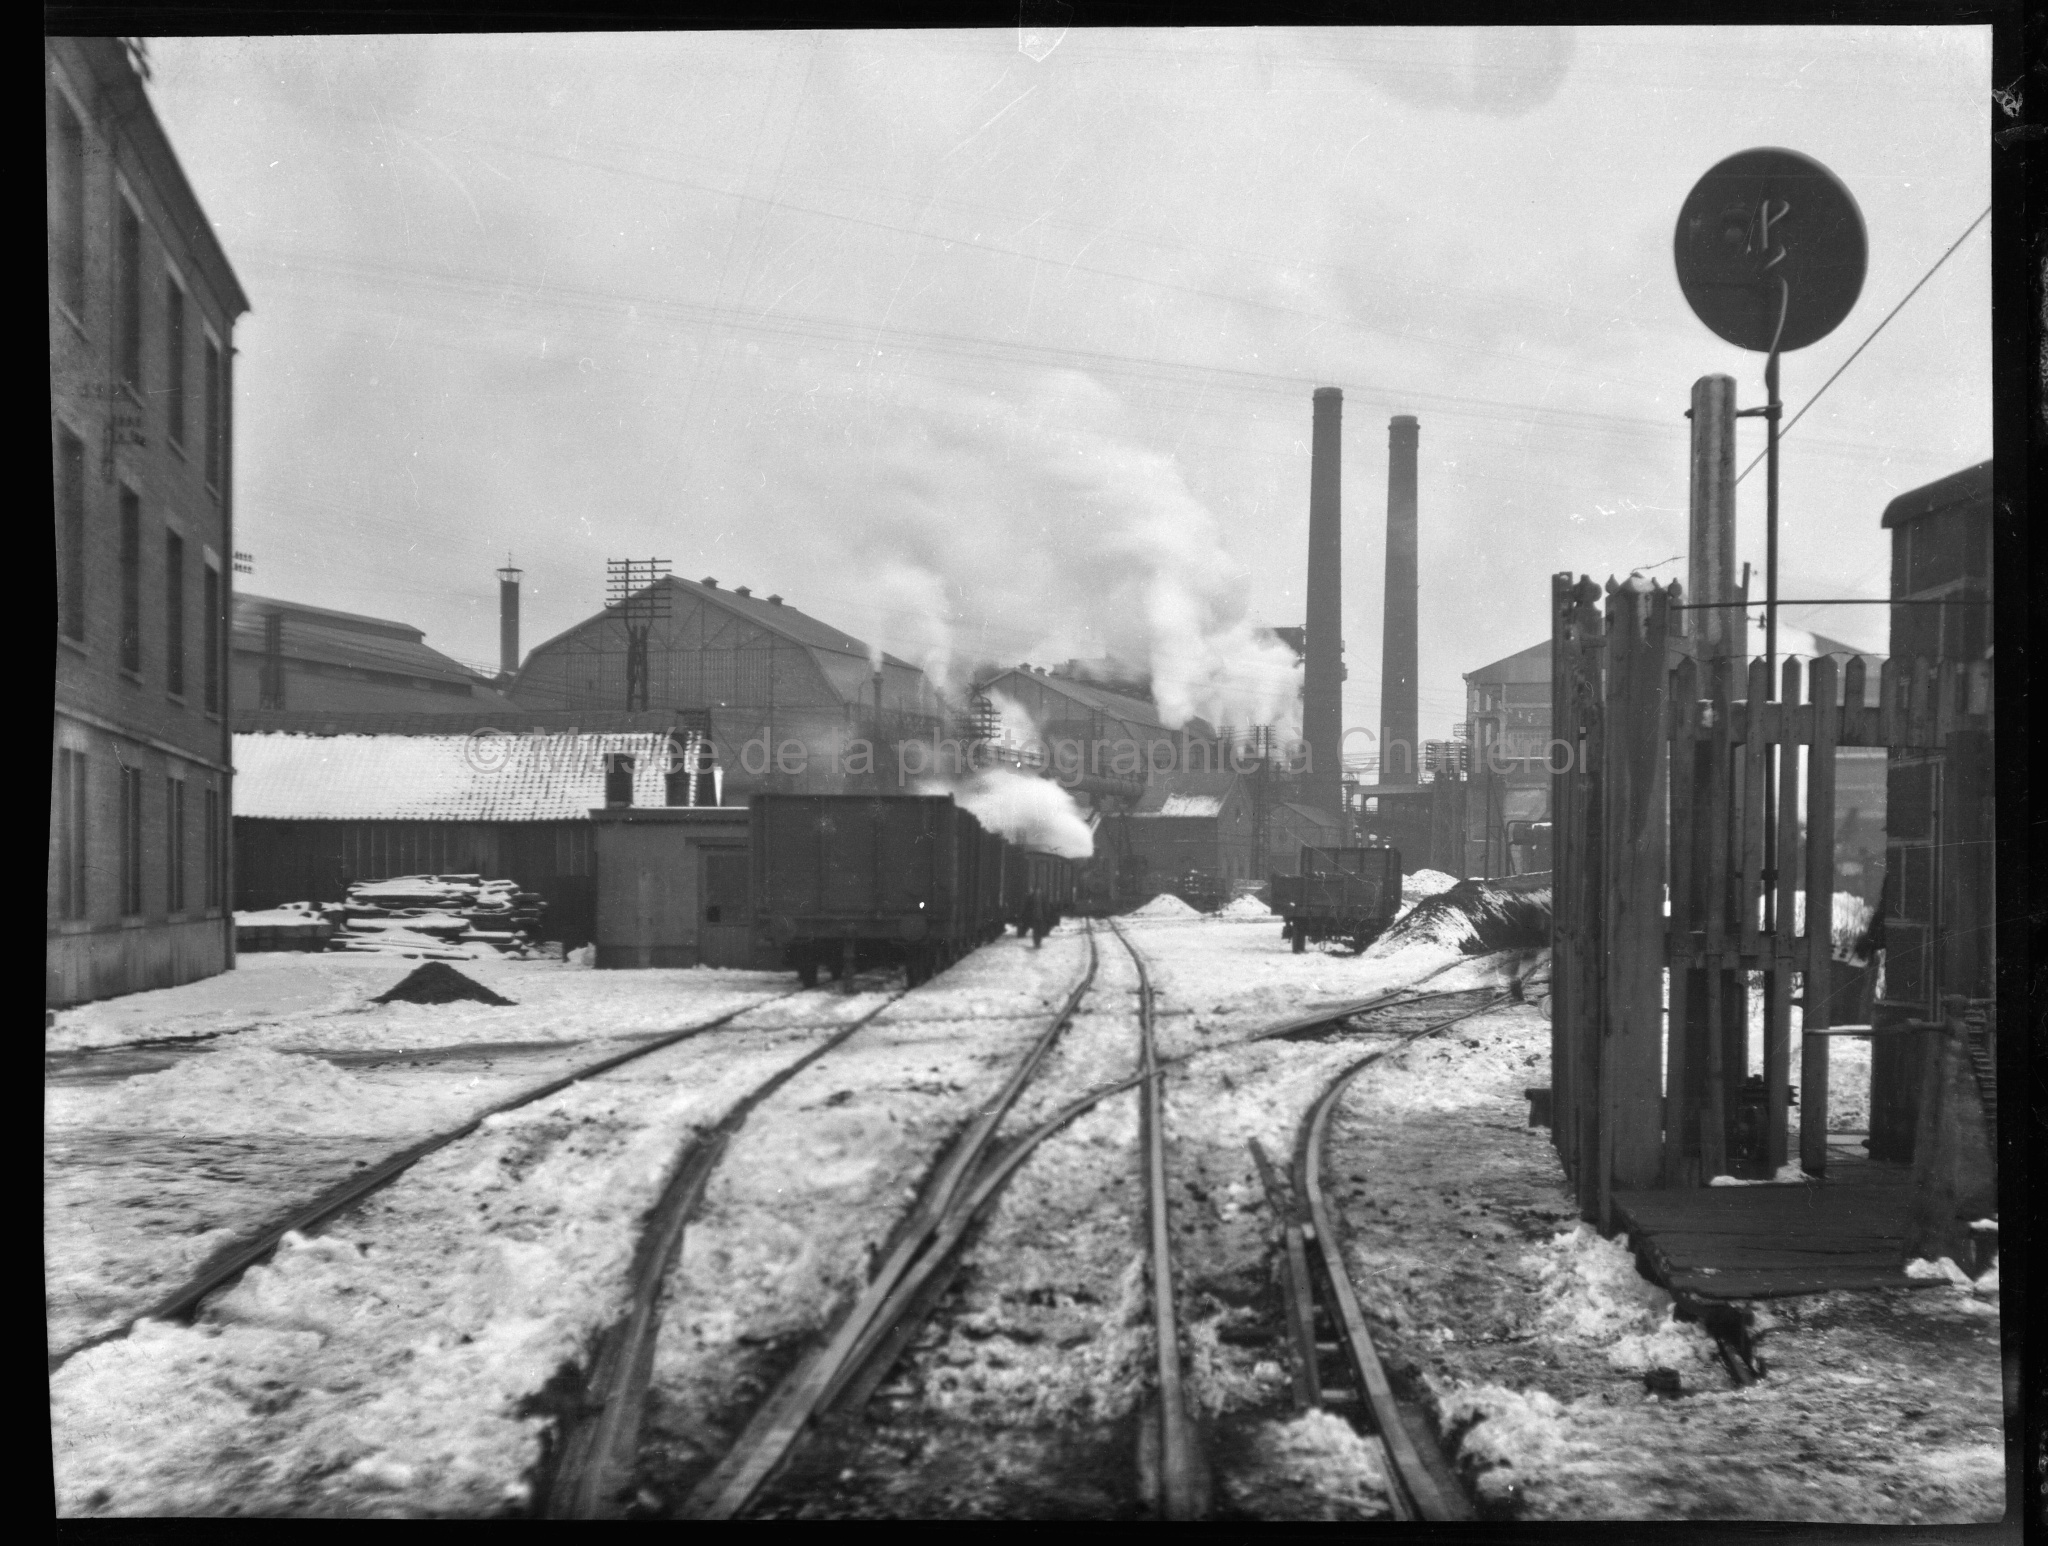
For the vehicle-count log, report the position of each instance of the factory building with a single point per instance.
(290, 657)
(143, 305)
(791, 704)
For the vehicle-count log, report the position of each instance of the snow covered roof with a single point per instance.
(438, 777)
(1191, 805)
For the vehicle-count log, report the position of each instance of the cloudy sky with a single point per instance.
(991, 357)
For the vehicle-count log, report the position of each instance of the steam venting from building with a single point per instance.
(1398, 718)
(1322, 687)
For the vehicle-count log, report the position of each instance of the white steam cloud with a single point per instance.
(991, 532)
(1035, 812)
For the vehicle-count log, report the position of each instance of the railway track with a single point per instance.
(927, 1250)
(1335, 1362)
(184, 1300)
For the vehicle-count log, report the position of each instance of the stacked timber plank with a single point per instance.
(436, 914)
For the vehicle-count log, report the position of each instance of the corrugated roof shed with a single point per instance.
(350, 639)
(438, 777)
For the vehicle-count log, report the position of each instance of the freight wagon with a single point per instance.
(1039, 889)
(847, 882)
(1350, 894)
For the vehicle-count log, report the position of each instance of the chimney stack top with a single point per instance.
(709, 583)
(741, 590)
(775, 601)
(1330, 392)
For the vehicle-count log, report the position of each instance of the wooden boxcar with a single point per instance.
(1039, 889)
(845, 882)
(1350, 894)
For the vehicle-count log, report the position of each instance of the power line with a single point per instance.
(1866, 342)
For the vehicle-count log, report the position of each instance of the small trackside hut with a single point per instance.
(1350, 894)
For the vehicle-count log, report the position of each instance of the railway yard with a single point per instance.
(863, 1251)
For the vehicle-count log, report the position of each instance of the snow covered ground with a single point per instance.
(402, 1363)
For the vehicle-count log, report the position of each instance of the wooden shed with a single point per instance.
(317, 812)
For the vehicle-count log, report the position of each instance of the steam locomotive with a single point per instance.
(843, 883)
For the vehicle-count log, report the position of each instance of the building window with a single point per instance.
(131, 581)
(618, 779)
(174, 614)
(213, 633)
(67, 199)
(128, 335)
(174, 845)
(174, 361)
(131, 841)
(216, 415)
(215, 867)
(70, 834)
(71, 541)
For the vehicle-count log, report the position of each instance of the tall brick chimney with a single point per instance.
(508, 619)
(1322, 677)
(1399, 759)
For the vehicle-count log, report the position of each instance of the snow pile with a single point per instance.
(1475, 916)
(256, 1090)
(1312, 1466)
(1591, 1294)
(1246, 906)
(1425, 883)
(1788, 1174)
(1849, 926)
(1503, 1440)
(1035, 812)
(1164, 905)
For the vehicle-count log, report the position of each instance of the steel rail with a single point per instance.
(773, 1431)
(1413, 1488)
(186, 1298)
(1181, 1473)
(594, 1467)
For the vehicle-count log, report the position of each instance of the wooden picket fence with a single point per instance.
(1663, 786)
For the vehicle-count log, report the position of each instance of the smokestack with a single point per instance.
(1322, 676)
(508, 619)
(1398, 720)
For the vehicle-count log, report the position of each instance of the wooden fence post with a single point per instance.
(1684, 1041)
(1820, 918)
(1633, 772)
(1585, 650)
(1564, 861)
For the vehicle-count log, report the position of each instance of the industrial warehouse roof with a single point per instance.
(466, 720)
(1134, 712)
(1186, 794)
(350, 639)
(1972, 483)
(553, 777)
(777, 616)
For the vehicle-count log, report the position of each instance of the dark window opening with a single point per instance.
(71, 543)
(216, 415)
(174, 845)
(70, 834)
(213, 637)
(128, 337)
(131, 840)
(215, 863)
(131, 581)
(67, 197)
(174, 613)
(174, 361)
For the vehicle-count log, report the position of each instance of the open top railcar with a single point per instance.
(847, 882)
(1350, 894)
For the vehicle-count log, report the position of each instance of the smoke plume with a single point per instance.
(994, 531)
(1034, 812)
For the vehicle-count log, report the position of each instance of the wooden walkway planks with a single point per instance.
(1767, 1242)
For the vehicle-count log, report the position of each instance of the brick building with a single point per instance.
(143, 304)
